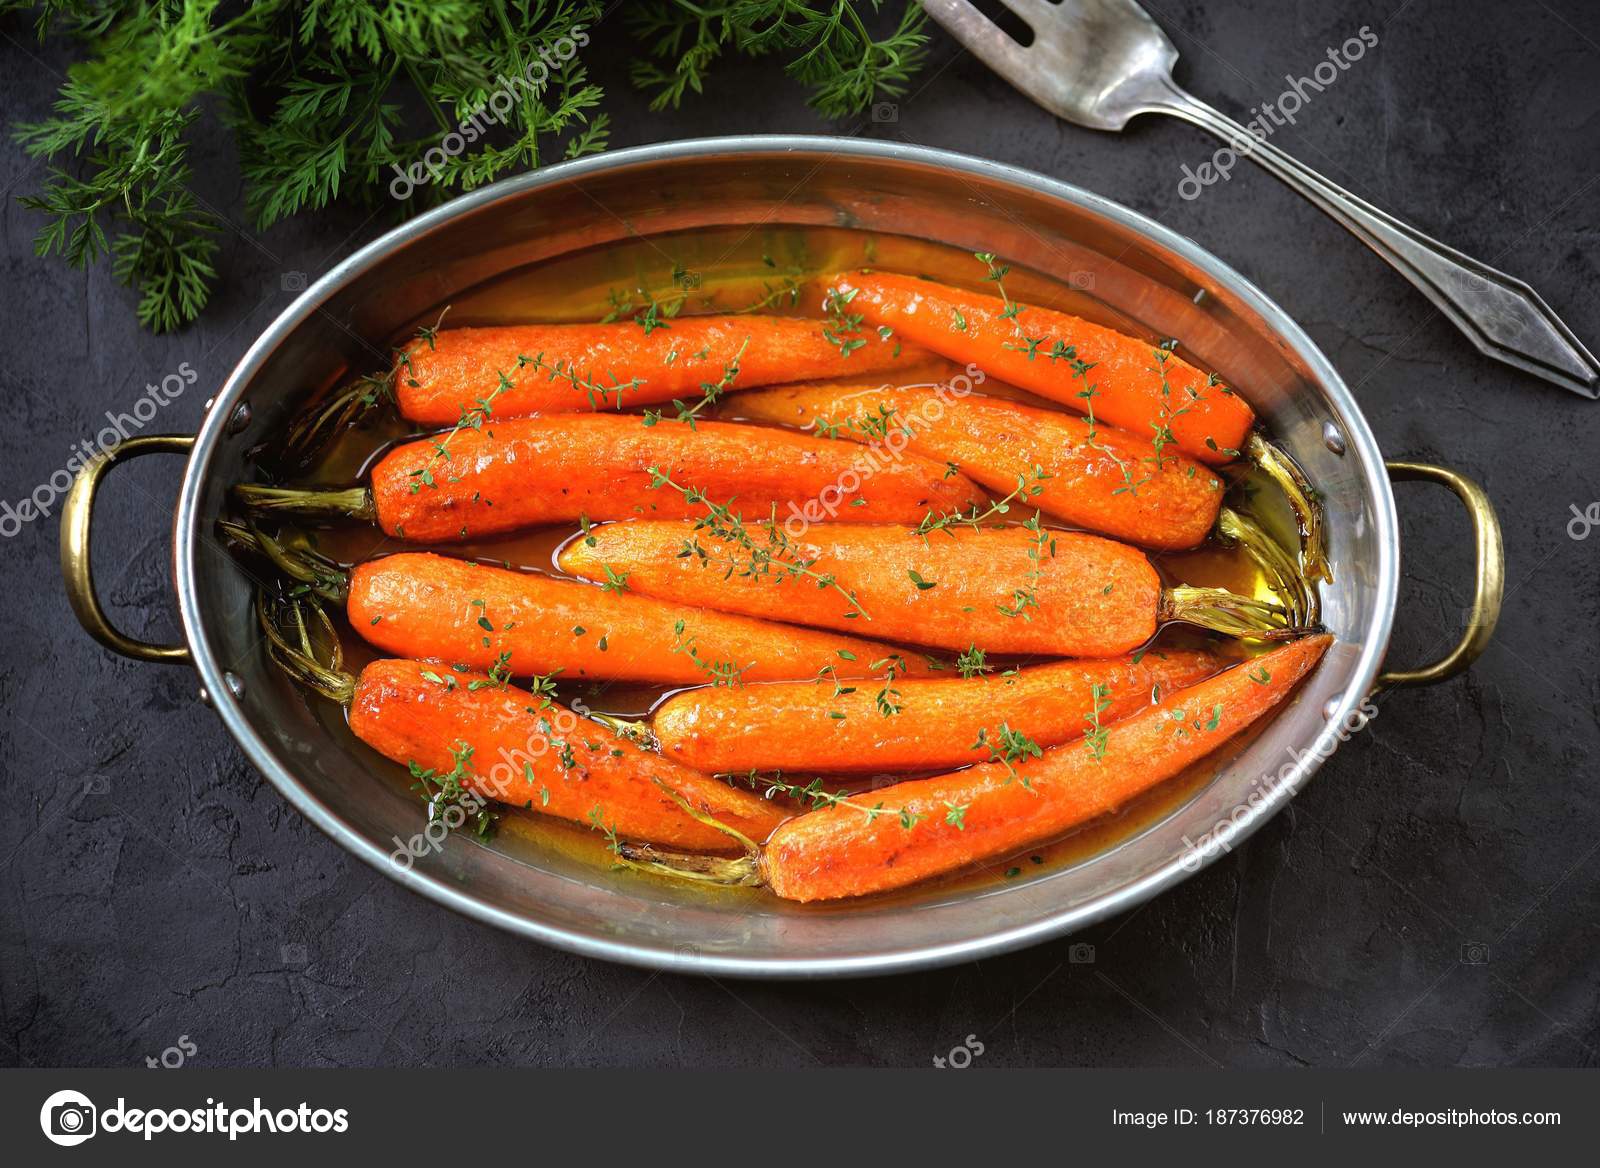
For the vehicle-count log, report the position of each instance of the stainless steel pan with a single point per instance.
(1139, 268)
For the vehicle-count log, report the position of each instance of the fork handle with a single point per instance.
(1501, 315)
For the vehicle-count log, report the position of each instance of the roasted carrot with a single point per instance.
(505, 744)
(416, 604)
(917, 724)
(1003, 589)
(990, 811)
(1100, 478)
(561, 368)
(1136, 385)
(527, 472)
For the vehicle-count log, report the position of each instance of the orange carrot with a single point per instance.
(1003, 589)
(987, 812)
(529, 472)
(508, 745)
(1136, 385)
(916, 724)
(561, 368)
(1101, 478)
(416, 604)
(534, 471)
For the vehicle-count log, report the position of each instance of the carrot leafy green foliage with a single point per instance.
(831, 49)
(340, 100)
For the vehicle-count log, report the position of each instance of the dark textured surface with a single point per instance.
(154, 886)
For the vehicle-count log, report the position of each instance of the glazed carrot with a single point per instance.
(920, 723)
(417, 604)
(985, 812)
(1003, 589)
(511, 746)
(1101, 478)
(1205, 419)
(582, 367)
(528, 472)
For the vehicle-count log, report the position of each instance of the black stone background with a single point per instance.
(154, 886)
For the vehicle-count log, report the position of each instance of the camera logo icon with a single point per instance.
(1474, 953)
(68, 1118)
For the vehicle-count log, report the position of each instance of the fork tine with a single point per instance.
(985, 39)
(1034, 12)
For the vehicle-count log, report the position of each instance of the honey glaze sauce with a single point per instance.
(717, 271)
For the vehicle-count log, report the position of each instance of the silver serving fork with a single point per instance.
(1101, 62)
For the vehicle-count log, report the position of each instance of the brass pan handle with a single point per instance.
(1491, 576)
(76, 517)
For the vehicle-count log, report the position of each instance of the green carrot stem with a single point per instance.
(322, 421)
(1283, 572)
(338, 503)
(743, 872)
(638, 733)
(1229, 613)
(1286, 473)
(293, 556)
(317, 668)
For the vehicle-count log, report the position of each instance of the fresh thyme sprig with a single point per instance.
(1095, 735)
(444, 791)
(1162, 426)
(779, 560)
(1042, 541)
(651, 312)
(709, 392)
(1060, 350)
(997, 276)
(721, 673)
(774, 295)
(819, 797)
(1080, 370)
(974, 517)
(597, 820)
(844, 327)
(1041, 544)
(1008, 747)
(887, 699)
(596, 391)
(973, 662)
(472, 418)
